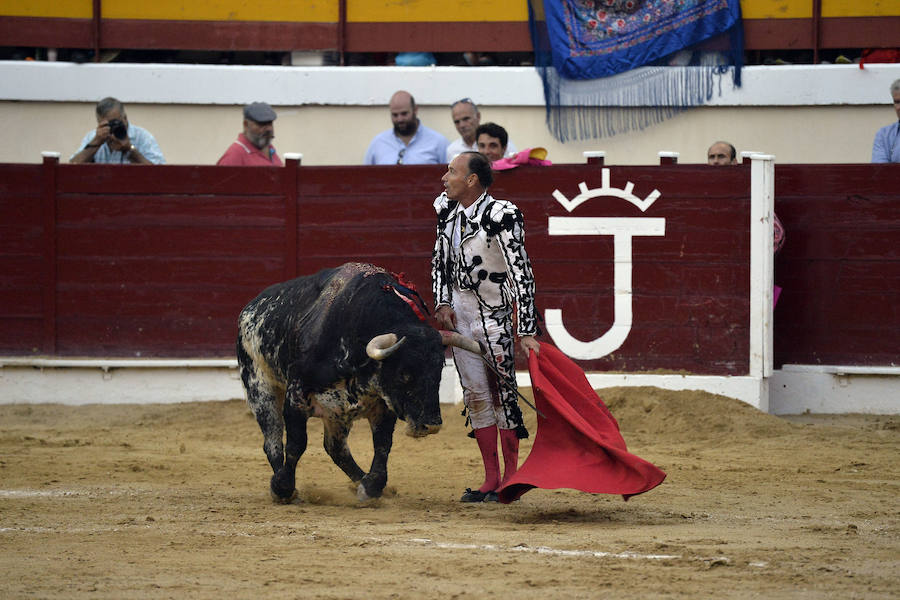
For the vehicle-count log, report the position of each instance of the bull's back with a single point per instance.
(288, 317)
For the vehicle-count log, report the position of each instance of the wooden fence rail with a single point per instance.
(128, 261)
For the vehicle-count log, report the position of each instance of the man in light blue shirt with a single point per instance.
(116, 141)
(409, 142)
(886, 147)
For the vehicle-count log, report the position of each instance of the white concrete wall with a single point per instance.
(74, 382)
(812, 114)
(801, 114)
(792, 390)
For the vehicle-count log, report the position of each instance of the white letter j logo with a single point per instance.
(622, 229)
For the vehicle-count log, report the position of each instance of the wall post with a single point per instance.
(49, 278)
(762, 207)
(291, 179)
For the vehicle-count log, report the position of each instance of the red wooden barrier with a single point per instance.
(25, 271)
(158, 261)
(840, 267)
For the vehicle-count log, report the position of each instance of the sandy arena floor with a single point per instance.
(172, 501)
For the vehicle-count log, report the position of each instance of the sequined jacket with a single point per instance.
(491, 260)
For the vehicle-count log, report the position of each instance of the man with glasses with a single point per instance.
(409, 142)
(466, 119)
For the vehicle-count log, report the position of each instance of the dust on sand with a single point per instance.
(171, 501)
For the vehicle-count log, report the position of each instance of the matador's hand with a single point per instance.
(446, 317)
(529, 343)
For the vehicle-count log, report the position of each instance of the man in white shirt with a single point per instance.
(466, 119)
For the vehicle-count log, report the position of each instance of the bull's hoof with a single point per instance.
(363, 496)
(371, 485)
(282, 492)
(289, 499)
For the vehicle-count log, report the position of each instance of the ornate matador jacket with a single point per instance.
(490, 261)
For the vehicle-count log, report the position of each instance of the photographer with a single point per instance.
(116, 141)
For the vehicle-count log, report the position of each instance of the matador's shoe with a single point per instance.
(471, 495)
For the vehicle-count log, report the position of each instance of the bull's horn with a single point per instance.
(382, 346)
(452, 338)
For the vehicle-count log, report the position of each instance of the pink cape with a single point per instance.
(528, 156)
(577, 444)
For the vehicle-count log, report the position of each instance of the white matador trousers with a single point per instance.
(487, 401)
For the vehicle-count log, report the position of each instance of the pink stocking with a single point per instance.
(510, 444)
(487, 443)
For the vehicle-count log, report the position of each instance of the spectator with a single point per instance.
(886, 147)
(409, 142)
(253, 147)
(492, 141)
(466, 119)
(116, 141)
(724, 154)
(720, 154)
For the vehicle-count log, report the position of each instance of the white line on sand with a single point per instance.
(37, 493)
(542, 550)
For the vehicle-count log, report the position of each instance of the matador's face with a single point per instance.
(458, 180)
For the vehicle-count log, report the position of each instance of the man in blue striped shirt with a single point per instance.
(409, 142)
(116, 141)
(886, 147)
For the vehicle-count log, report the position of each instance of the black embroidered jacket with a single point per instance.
(491, 260)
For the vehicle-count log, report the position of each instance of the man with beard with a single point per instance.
(116, 141)
(409, 142)
(253, 147)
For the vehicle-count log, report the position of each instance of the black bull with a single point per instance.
(339, 345)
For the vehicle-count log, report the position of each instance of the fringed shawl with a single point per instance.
(589, 54)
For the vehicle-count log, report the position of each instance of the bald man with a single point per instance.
(721, 154)
(408, 142)
(466, 118)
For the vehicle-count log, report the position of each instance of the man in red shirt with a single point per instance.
(253, 147)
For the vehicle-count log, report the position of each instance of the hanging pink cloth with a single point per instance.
(577, 444)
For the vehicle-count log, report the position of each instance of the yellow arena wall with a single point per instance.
(373, 11)
(385, 25)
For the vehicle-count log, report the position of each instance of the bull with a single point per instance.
(343, 344)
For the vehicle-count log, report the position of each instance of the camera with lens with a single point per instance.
(118, 129)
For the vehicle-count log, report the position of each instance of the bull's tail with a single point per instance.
(244, 360)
